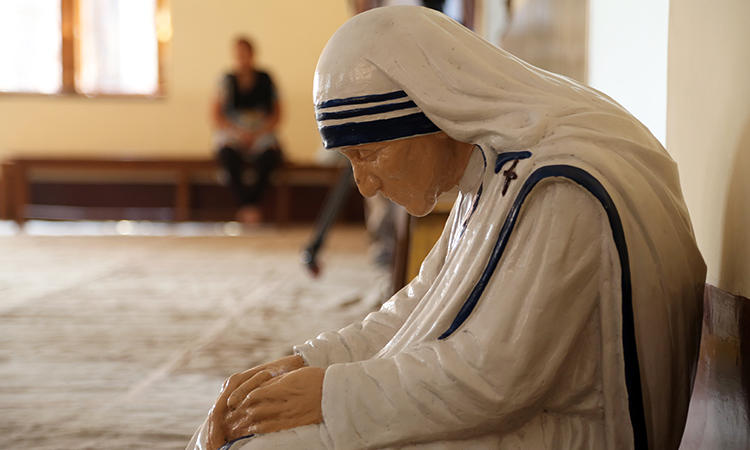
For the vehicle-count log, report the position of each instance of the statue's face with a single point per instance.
(412, 172)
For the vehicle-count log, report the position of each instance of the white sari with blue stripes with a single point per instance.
(560, 309)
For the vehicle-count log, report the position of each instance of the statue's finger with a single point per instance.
(243, 423)
(229, 386)
(257, 397)
(237, 416)
(267, 411)
(232, 382)
(271, 392)
(274, 379)
(241, 392)
(215, 435)
(239, 428)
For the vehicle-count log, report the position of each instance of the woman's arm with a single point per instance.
(218, 118)
(272, 120)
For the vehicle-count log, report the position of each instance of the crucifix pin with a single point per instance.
(509, 175)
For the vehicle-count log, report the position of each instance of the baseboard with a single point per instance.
(144, 201)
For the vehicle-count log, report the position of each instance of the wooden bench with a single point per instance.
(17, 176)
(719, 416)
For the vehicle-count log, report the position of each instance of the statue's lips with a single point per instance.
(391, 196)
(394, 197)
(413, 205)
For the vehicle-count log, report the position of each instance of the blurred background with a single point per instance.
(127, 291)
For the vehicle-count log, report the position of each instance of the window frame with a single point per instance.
(70, 50)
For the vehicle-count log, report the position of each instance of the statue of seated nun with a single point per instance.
(560, 309)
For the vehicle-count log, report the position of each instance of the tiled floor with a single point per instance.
(129, 228)
(118, 342)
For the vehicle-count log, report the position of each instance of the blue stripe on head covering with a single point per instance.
(359, 112)
(371, 120)
(356, 133)
(360, 100)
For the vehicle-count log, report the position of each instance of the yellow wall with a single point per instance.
(708, 130)
(289, 36)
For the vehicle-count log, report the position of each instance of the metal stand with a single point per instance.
(331, 208)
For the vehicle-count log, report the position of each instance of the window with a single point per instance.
(89, 47)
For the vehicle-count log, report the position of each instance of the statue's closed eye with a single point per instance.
(361, 154)
(368, 154)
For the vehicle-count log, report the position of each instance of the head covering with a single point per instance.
(362, 105)
(370, 118)
(422, 62)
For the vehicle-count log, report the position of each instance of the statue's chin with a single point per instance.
(420, 209)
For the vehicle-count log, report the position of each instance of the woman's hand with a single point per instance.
(243, 383)
(279, 403)
(248, 138)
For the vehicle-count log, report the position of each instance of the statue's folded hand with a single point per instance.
(281, 403)
(240, 394)
(237, 387)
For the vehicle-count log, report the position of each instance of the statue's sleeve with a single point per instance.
(496, 371)
(362, 340)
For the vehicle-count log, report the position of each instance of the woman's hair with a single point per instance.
(244, 41)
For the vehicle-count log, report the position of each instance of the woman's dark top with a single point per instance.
(260, 97)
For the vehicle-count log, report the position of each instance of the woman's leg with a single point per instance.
(232, 163)
(265, 164)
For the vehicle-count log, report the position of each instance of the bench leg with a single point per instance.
(5, 184)
(18, 194)
(283, 200)
(182, 197)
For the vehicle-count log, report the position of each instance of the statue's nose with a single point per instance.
(367, 183)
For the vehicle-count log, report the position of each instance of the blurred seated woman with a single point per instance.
(246, 114)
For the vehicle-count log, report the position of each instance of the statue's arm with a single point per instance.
(286, 393)
(362, 340)
(499, 368)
